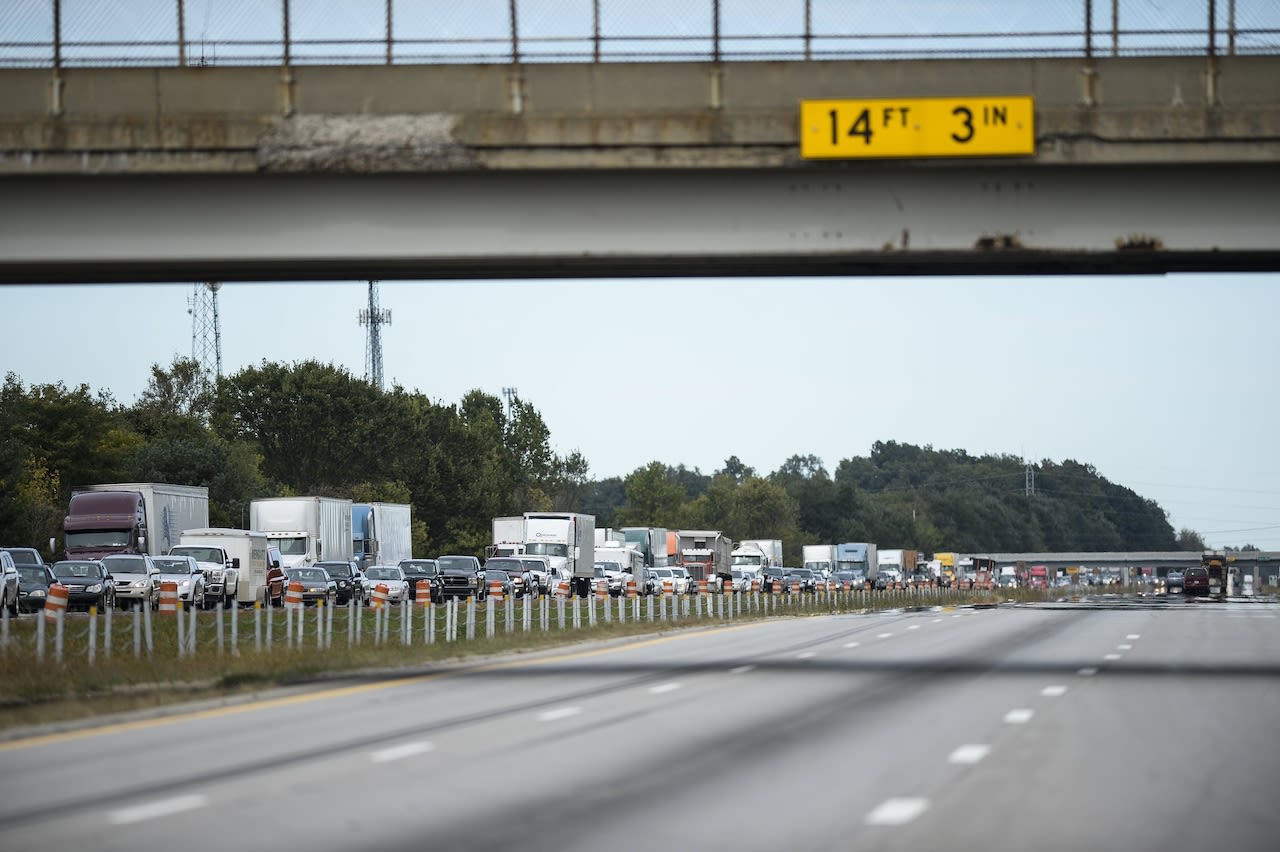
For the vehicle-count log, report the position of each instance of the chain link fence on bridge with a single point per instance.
(106, 33)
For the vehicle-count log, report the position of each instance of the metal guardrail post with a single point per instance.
(182, 33)
(390, 40)
(808, 30)
(715, 30)
(595, 30)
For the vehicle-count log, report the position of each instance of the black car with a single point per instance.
(497, 575)
(416, 570)
(88, 583)
(1173, 582)
(460, 576)
(33, 586)
(346, 577)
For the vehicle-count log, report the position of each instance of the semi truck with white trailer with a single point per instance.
(131, 517)
(306, 529)
(756, 554)
(568, 541)
(651, 542)
(859, 557)
(706, 555)
(381, 533)
(820, 558)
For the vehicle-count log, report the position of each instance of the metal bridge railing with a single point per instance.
(90, 33)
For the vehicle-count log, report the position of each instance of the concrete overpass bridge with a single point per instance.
(288, 171)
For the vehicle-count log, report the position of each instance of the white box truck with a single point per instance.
(234, 561)
(508, 537)
(131, 517)
(382, 533)
(306, 529)
(568, 541)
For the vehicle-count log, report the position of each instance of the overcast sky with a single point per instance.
(1166, 385)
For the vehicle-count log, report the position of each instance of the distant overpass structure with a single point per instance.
(1263, 565)
(534, 156)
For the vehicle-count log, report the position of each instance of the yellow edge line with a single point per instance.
(339, 692)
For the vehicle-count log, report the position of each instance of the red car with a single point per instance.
(1195, 582)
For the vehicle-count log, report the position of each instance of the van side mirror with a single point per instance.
(235, 563)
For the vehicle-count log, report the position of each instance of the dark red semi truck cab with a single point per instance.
(100, 523)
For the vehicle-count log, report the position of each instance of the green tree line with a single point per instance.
(312, 428)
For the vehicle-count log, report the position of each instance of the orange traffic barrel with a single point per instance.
(495, 589)
(422, 592)
(168, 598)
(668, 587)
(562, 589)
(631, 588)
(602, 590)
(293, 594)
(755, 584)
(56, 602)
(702, 586)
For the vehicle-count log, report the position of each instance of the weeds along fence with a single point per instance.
(98, 638)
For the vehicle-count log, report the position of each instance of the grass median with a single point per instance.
(36, 691)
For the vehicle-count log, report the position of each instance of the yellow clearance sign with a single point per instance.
(917, 127)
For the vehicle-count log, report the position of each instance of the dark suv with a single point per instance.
(460, 577)
(522, 581)
(347, 576)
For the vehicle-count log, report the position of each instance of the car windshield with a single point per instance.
(423, 569)
(495, 574)
(25, 557)
(74, 570)
(309, 574)
(31, 573)
(125, 564)
(173, 566)
(800, 573)
(534, 565)
(456, 563)
(504, 565)
(335, 569)
(383, 573)
(609, 566)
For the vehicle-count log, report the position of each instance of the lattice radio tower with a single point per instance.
(374, 318)
(206, 328)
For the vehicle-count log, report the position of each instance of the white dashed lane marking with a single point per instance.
(400, 752)
(805, 655)
(852, 644)
(1111, 657)
(664, 687)
(1053, 691)
(1088, 671)
(1019, 716)
(1134, 636)
(161, 808)
(913, 626)
(897, 811)
(1124, 647)
(884, 635)
(741, 670)
(558, 713)
(971, 753)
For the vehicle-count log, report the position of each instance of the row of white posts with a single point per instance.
(459, 616)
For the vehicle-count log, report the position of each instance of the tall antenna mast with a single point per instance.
(510, 394)
(206, 328)
(374, 318)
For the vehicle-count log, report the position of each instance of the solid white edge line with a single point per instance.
(1019, 716)
(558, 713)
(664, 687)
(969, 753)
(161, 808)
(897, 811)
(400, 752)
(1053, 690)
